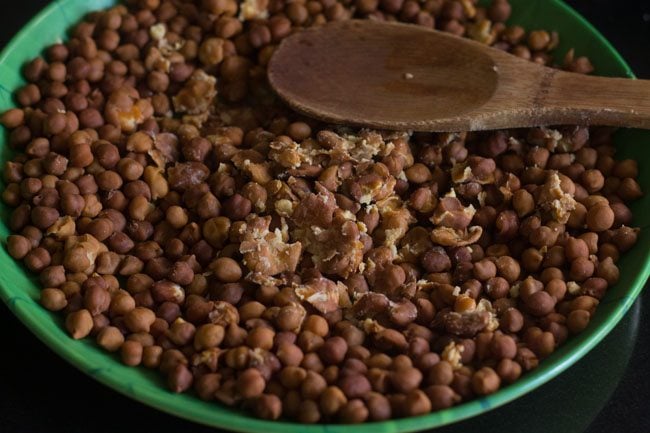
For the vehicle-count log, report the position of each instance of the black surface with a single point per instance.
(607, 391)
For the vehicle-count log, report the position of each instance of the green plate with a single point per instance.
(20, 291)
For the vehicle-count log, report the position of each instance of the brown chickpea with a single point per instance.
(226, 270)
(600, 217)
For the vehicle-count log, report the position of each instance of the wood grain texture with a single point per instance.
(405, 77)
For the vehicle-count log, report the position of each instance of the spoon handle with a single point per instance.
(580, 99)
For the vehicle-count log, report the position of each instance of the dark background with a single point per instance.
(607, 391)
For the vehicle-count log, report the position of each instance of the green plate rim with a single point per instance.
(74, 352)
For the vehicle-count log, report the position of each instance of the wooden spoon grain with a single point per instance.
(406, 77)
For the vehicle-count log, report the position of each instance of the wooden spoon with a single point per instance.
(405, 77)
